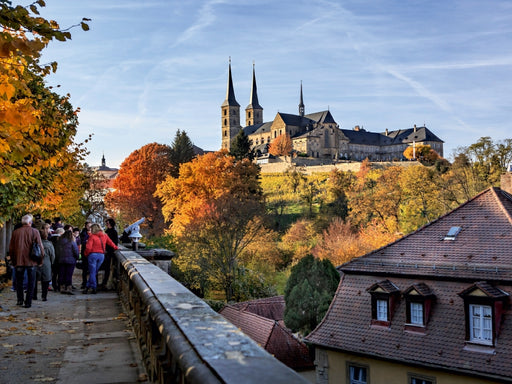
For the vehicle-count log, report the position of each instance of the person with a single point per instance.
(109, 255)
(19, 249)
(95, 253)
(44, 272)
(84, 236)
(67, 254)
(55, 266)
(57, 223)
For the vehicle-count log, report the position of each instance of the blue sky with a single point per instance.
(148, 68)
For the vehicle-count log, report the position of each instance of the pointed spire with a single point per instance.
(253, 102)
(103, 162)
(230, 93)
(301, 104)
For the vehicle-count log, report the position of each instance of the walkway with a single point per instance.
(67, 339)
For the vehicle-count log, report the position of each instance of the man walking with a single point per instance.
(19, 250)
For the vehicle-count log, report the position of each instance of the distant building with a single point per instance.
(316, 135)
(432, 307)
(108, 173)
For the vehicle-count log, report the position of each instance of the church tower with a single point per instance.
(230, 111)
(301, 103)
(254, 111)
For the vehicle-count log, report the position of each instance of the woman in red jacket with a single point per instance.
(95, 253)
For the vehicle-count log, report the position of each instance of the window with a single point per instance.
(357, 374)
(416, 313)
(419, 298)
(382, 310)
(483, 309)
(413, 378)
(480, 323)
(385, 296)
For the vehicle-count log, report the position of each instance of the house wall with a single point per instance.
(383, 372)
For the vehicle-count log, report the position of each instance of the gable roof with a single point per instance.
(480, 258)
(482, 249)
(272, 336)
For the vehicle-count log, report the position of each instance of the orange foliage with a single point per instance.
(299, 240)
(138, 177)
(281, 146)
(341, 243)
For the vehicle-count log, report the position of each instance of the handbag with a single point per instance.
(79, 263)
(35, 252)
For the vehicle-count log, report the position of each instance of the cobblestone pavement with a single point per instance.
(68, 339)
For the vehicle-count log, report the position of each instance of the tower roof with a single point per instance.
(301, 103)
(253, 102)
(230, 93)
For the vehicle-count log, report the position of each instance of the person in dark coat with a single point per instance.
(44, 272)
(109, 251)
(67, 254)
(84, 236)
(19, 250)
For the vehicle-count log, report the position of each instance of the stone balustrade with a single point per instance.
(182, 339)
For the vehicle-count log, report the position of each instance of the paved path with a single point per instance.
(67, 339)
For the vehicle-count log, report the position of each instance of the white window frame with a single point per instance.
(357, 370)
(382, 309)
(417, 310)
(480, 323)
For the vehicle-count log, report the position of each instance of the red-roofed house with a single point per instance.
(432, 308)
(270, 333)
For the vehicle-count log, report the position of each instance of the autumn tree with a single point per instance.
(181, 151)
(299, 240)
(215, 206)
(134, 187)
(423, 153)
(309, 292)
(281, 146)
(37, 125)
(241, 147)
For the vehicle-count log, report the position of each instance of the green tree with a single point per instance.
(309, 292)
(181, 151)
(241, 147)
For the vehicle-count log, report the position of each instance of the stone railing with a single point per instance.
(182, 339)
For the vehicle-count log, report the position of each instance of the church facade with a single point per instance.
(317, 135)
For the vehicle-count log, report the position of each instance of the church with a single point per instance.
(317, 135)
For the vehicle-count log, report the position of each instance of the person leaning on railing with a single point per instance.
(95, 253)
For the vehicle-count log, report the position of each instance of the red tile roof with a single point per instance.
(272, 336)
(269, 307)
(480, 256)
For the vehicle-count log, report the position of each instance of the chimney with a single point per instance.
(414, 128)
(387, 132)
(506, 181)
(356, 128)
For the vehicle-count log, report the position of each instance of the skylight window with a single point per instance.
(452, 233)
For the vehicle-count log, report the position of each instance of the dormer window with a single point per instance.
(483, 308)
(419, 298)
(385, 296)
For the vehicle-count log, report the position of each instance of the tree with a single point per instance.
(299, 240)
(241, 147)
(281, 146)
(181, 151)
(134, 188)
(37, 125)
(423, 153)
(309, 292)
(215, 206)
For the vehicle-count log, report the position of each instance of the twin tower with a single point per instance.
(230, 111)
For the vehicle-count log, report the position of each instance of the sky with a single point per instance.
(148, 68)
